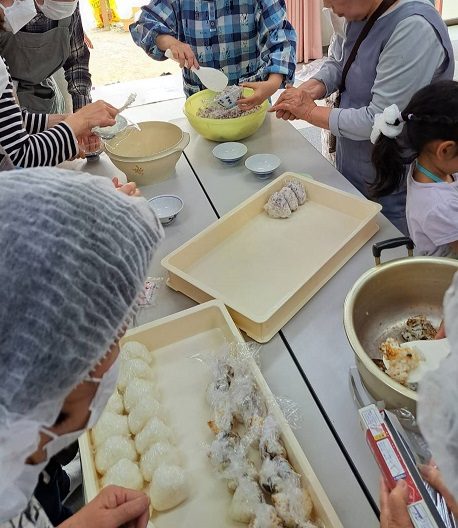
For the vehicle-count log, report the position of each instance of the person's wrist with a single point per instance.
(77, 124)
(164, 42)
(309, 111)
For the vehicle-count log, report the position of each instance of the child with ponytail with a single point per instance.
(424, 134)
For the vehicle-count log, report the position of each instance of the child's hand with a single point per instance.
(262, 91)
(129, 188)
(181, 52)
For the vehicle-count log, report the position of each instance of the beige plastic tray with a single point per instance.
(266, 269)
(182, 381)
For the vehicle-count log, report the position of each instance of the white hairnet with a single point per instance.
(438, 399)
(74, 254)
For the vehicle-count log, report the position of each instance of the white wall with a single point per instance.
(449, 9)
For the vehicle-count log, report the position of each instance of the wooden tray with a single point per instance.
(266, 269)
(182, 381)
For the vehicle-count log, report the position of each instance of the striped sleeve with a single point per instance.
(34, 122)
(46, 148)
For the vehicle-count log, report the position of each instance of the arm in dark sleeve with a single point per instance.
(76, 67)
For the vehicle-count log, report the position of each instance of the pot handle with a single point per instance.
(182, 144)
(392, 243)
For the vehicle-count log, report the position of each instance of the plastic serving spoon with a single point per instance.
(433, 350)
(109, 132)
(212, 78)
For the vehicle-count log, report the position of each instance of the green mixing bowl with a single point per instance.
(223, 129)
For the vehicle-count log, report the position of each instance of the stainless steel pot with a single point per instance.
(378, 306)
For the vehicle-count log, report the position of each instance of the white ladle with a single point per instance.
(433, 351)
(211, 78)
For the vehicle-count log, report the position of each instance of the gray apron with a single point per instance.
(32, 58)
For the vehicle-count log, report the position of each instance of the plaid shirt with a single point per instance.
(247, 40)
(76, 67)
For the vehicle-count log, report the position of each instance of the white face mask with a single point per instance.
(107, 385)
(16, 497)
(337, 22)
(56, 10)
(18, 15)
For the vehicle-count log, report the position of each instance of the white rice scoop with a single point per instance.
(121, 123)
(432, 350)
(211, 78)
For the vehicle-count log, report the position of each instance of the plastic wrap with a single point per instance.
(248, 451)
(229, 96)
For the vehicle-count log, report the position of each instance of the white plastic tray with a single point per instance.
(182, 381)
(266, 269)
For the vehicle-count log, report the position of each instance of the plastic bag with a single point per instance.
(149, 295)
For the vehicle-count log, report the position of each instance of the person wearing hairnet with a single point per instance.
(74, 255)
(437, 414)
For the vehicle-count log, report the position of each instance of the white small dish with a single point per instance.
(262, 165)
(230, 153)
(166, 207)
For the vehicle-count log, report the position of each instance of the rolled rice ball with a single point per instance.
(109, 424)
(245, 500)
(136, 350)
(159, 453)
(124, 473)
(115, 404)
(142, 412)
(138, 389)
(113, 450)
(169, 488)
(290, 198)
(293, 505)
(133, 368)
(154, 431)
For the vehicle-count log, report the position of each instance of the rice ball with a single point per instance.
(159, 453)
(138, 389)
(113, 450)
(245, 500)
(124, 473)
(136, 350)
(133, 368)
(142, 412)
(115, 403)
(109, 424)
(154, 431)
(169, 487)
